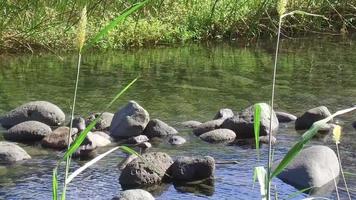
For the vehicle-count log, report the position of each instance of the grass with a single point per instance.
(50, 25)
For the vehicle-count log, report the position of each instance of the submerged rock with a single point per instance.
(150, 170)
(309, 117)
(314, 167)
(176, 140)
(28, 131)
(218, 135)
(129, 121)
(58, 139)
(41, 111)
(192, 168)
(86, 152)
(11, 152)
(208, 126)
(243, 125)
(284, 117)
(224, 113)
(135, 194)
(158, 128)
(191, 124)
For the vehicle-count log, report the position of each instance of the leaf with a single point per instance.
(54, 184)
(121, 92)
(119, 19)
(305, 138)
(261, 174)
(256, 127)
(130, 151)
(88, 164)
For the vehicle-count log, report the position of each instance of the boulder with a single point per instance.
(315, 167)
(11, 152)
(284, 117)
(147, 171)
(309, 117)
(58, 139)
(129, 121)
(157, 128)
(224, 113)
(192, 168)
(176, 140)
(99, 138)
(191, 124)
(218, 135)
(208, 126)
(28, 131)
(135, 194)
(243, 125)
(137, 139)
(41, 111)
(104, 123)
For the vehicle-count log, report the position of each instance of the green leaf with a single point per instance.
(54, 184)
(256, 127)
(119, 19)
(305, 138)
(130, 151)
(121, 92)
(295, 194)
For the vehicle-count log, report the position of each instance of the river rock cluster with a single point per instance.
(44, 123)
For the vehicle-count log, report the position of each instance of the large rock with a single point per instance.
(129, 121)
(309, 117)
(41, 111)
(104, 123)
(28, 131)
(192, 168)
(135, 194)
(218, 135)
(314, 167)
(157, 128)
(224, 113)
(147, 171)
(10, 152)
(243, 125)
(191, 124)
(208, 126)
(284, 117)
(58, 139)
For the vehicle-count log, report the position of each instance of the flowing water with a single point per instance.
(190, 82)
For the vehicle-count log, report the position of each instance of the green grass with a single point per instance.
(49, 25)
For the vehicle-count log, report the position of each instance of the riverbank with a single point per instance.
(50, 25)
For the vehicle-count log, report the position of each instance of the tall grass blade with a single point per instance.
(121, 92)
(117, 21)
(256, 128)
(261, 174)
(130, 151)
(305, 138)
(54, 184)
(295, 194)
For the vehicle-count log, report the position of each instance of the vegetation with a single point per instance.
(49, 25)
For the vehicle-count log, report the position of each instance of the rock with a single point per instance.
(86, 152)
(265, 140)
(58, 139)
(104, 123)
(354, 124)
(176, 140)
(129, 121)
(41, 111)
(218, 135)
(28, 131)
(99, 138)
(224, 113)
(284, 117)
(145, 145)
(126, 161)
(208, 126)
(243, 124)
(192, 168)
(79, 123)
(149, 171)
(157, 128)
(313, 167)
(10, 153)
(135, 194)
(309, 117)
(137, 139)
(191, 124)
